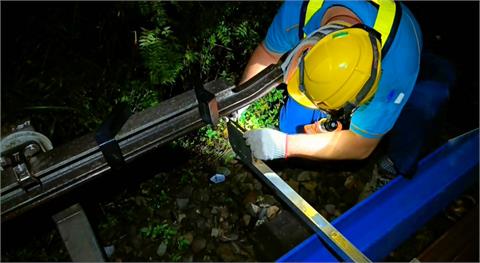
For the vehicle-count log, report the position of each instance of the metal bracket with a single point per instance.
(105, 135)
(18, 149)
(23, 176)
(326, 231)
(77, 234)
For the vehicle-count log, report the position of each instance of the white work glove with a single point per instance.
(267, 144)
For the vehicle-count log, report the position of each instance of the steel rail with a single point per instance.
(80, 161)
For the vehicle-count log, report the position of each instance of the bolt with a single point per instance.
(30, 150)
(16, 157)
(19, 169)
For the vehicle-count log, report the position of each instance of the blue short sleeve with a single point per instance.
(378, 117)
(282, 35)
(399, 74)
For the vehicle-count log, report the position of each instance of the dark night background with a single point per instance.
(65, 64)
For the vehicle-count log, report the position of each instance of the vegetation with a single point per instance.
(66, 65)
(70, 64)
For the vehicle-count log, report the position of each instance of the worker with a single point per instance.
(350, 68)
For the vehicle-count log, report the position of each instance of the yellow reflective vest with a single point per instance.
(386, 22)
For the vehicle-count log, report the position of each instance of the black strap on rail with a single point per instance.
(105, 135)
(207, 105)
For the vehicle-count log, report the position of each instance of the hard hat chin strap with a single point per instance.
(292, 60)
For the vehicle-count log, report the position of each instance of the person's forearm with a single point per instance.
(340, 145)
(259, 60)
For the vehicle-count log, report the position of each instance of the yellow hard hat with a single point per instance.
(339, 69)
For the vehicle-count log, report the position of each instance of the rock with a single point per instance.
(337, 213)
(334, 192)
(246, 219)
(251, 197)
(201, 223)
(215, 232)
(253, 209)
(260, 221)
(304, 176)
(189, 237)
(185, 192)
(200, 196)
(164, 213)
(210, 222)
(226, 252)
(239, 178)
(140, 201)
(236, 191)
(269, 200)
(162, 249)
(137, 242)
(233, 218)
(310, 186)
(324, 213)
(257, 185)
(247, 187)
(350, 182)
(182, 203)
(227, 238)
(188, 258)
(293, 184)
(181, 217)
(223, 170)
(250, 251)
(211, 247)
(198, 245)
(309, 196)
(224, 227)
(330, 209)
(263, 213)
(224, 212)
(283, 175)
(236, 249)
(272, 211)
(109, 250)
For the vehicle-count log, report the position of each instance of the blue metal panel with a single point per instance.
(384, 220)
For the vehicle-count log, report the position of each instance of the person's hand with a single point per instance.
(267, 144)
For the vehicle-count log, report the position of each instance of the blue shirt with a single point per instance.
(400, 66)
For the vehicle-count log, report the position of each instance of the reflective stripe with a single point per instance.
(312, 7)
(385, 18)
(383, 23)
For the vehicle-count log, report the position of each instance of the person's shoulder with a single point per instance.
(290, 11)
